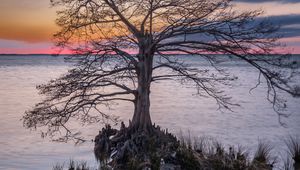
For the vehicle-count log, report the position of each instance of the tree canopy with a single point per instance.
(125, 45)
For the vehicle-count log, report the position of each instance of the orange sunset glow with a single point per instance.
(27, 26)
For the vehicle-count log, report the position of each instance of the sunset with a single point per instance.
(28, 26)
(150, 84)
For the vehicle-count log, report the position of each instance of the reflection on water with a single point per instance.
(172, 107)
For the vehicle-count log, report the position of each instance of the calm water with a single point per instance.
(173, 107)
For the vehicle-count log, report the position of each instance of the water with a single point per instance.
(172, 106)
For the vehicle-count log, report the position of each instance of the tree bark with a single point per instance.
(141, 120)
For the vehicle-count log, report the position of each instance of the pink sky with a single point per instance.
(27, 25)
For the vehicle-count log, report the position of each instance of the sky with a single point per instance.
(27, 26)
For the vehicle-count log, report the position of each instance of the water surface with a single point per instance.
(172, 106)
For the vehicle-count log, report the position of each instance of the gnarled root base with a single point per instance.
(128, 149)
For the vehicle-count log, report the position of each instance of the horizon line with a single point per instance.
(1, 54)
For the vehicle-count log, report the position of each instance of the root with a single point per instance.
(127, 147)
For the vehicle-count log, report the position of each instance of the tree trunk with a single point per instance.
(141, 120)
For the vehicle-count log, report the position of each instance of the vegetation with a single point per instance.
(262, 156)
(72, 166)
(293, 144)
(202, 153)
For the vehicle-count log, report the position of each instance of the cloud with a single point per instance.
(289, 24)
(289, 30)
(20, 47)
(264, 1)
(285, 19)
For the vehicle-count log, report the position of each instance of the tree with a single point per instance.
(125, 45)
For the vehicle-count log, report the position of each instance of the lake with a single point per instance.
(173, 106)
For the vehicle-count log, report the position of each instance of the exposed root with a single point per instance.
(125, 149)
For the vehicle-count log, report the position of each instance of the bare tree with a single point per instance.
(125, 45)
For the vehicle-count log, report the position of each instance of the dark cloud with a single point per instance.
(262, 1)
(289, 24)
(285, 19)
(289, 32)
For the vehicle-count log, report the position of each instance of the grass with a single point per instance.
(262, 157)
(293, 144)
(58, 167)
(208, 153)
(263, 152)
(82, 165)
(288, 164)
